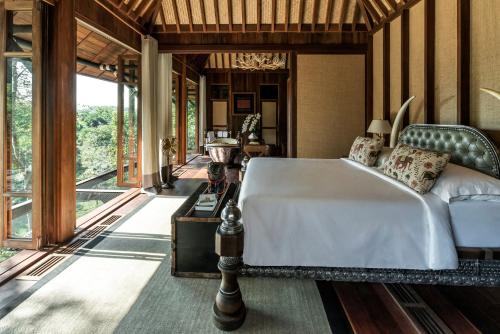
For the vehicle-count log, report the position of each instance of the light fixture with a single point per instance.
(380, 127)
(260, 62)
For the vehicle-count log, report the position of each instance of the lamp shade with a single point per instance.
(379, 126)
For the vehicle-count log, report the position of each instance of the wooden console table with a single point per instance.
(256, 150)
(193, 235)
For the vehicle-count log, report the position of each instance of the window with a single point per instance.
(20, 111)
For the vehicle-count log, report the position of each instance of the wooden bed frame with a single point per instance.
(477, 267)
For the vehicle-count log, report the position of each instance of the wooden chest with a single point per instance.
(193, 235)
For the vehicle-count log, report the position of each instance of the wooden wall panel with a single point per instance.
(446, 62)
(378, 75)
(250, 83)
(395, 67)
(485, 63)
(417, 62)
(330, 112)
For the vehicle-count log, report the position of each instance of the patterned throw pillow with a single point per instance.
(365, 150)
(418, 169)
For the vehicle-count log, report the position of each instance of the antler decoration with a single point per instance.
(491, 92)
(260, 61)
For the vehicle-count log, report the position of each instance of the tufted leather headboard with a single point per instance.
(468, 146)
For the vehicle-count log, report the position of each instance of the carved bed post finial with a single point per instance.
(229, 310)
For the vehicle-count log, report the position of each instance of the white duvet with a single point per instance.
(339, 213)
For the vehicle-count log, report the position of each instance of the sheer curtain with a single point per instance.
(164, 98)
(150, 116)
(203, 108)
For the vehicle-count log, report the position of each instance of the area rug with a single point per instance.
(121, 283)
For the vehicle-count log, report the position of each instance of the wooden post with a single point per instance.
(60, 125)
(229, 310)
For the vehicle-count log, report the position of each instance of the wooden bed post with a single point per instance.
(229, 310)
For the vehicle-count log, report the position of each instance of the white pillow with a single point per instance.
(458, 183)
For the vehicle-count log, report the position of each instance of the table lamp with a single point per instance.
(379, 127)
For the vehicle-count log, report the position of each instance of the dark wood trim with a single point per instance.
(60, 126)
(405, 61)
(319, 42)
(109, 23)
(463, 62)
(369, 84)
(292, 107)
(182, 120)
(406, 6)
(235, 29)
(386, 100)
(429, 62)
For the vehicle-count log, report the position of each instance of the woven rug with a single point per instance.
(121, 283)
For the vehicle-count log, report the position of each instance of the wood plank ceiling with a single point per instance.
(240, 16)
(96, 50)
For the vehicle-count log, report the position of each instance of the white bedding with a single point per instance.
(338, 213)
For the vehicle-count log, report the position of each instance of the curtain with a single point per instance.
(202, 110)
(150, 116)
(164, 107)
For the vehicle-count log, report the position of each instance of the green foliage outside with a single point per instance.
(191, 125)
(95, 141)
(5, 253)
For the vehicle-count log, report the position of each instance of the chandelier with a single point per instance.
(260, 62)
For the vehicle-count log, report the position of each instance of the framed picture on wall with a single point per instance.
(243, 103)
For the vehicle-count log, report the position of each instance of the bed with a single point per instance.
(340, 220)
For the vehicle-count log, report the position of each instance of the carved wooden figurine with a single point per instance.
(229, 310)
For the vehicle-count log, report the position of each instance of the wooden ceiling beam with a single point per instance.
(265, 28)
(152, 20)
(230, 14)
(189, 14)
(176, 15)
(319, 42)
(301, 15)
(243, 15)
(407, 5)
(343, 13)
(162, 17)
(393, 4)
(355, 18)
(259, 14)
(273, 14)
(365, 14)
(287, 14)
(203, 15)
(329, 13)
(315, 14)
(382, 7)
(217, 18)
(144, 7)
(372, 11)
(114, 11)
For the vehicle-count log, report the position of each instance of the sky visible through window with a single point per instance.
(95, 92)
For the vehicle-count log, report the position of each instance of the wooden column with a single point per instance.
(429, 61)
(182, 115)
(60, 125)
(292, 106)
(463, 62)
(369, 83)
(405, 61)
(387, 72)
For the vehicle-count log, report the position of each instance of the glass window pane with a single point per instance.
(18, 126)
(130, 131)
(18, 212)
(19, 31)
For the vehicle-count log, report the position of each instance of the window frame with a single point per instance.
(36, 192)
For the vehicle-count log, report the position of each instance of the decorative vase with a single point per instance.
(253, 139)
